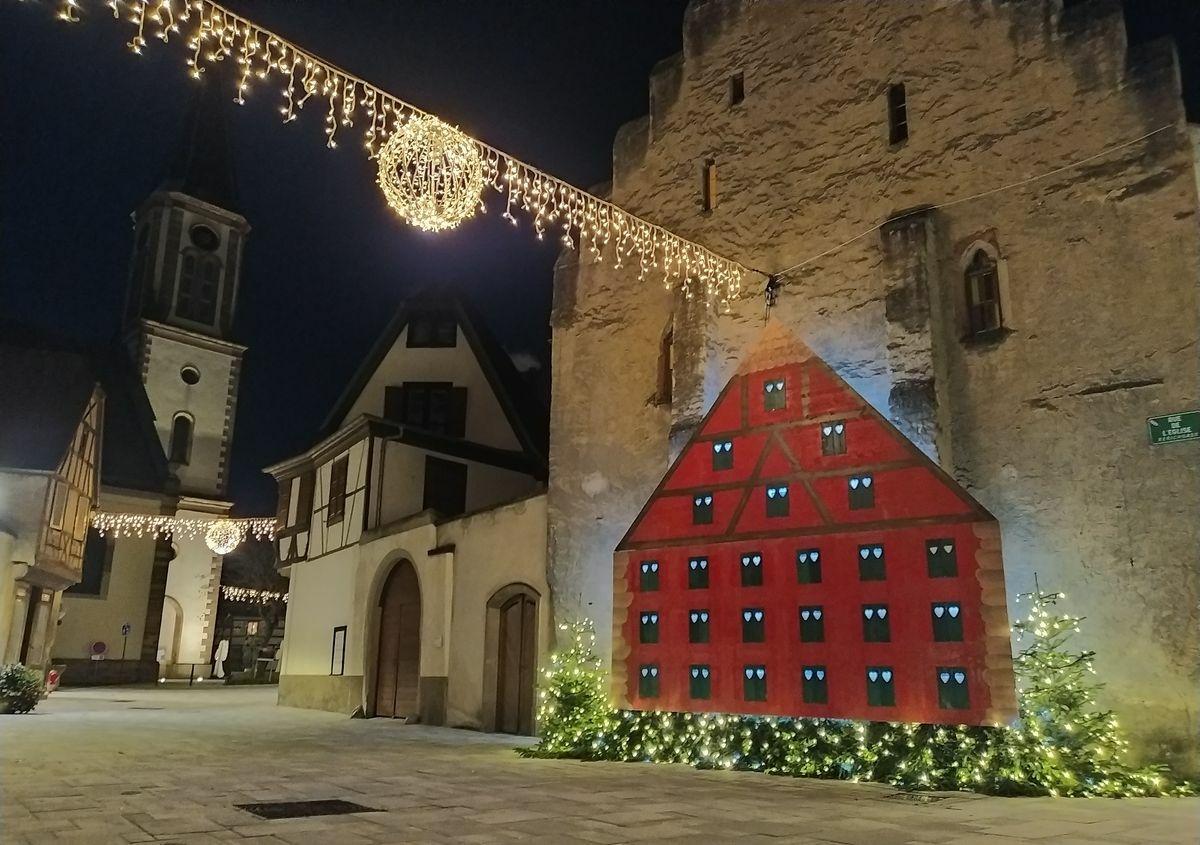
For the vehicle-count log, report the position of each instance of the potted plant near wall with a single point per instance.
(21, 688)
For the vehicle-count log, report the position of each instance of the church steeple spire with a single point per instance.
(203, 163)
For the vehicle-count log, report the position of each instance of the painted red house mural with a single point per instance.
(803, 558)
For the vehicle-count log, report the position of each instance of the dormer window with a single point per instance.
(777, 500)
(432, 330)
(833, 438)
(862, 492)
(774, 395)
(702, 509)
(722, 457)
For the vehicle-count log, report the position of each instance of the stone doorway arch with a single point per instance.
(398, 651)
(511, 659)
(170, 632)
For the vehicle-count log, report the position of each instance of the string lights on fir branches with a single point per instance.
(210, 34)
(221, 535)
(1061, 746)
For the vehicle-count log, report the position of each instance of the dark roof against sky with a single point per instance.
(527, 415)
(45, 381)
(45, 393)
(202, 166)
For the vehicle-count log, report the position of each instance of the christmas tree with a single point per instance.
(1062, 744)
(572, 701)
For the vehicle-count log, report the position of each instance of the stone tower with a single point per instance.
(179, 314)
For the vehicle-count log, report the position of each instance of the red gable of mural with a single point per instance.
(803, 558)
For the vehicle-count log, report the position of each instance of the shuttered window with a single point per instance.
(337, 490)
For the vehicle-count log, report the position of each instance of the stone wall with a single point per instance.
(1098, 265)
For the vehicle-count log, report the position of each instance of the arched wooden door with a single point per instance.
(516, 665)
(399, 664)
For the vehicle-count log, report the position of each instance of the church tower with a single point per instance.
(184, 279)
(183, 289)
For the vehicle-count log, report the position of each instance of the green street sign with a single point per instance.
(1174, 428)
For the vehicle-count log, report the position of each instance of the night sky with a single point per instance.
(87, 130)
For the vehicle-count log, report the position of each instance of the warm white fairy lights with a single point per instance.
(212, 34)
(431, 174)
(221, 535)
(249, 595)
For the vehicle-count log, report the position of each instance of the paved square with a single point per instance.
(168, 765)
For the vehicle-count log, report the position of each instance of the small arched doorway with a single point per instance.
(170, 631)
(516, 658)
(398, 667)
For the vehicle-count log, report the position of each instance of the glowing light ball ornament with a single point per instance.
(223, 536)
(431, 174)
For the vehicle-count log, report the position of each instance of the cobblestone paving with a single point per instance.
(168, 765)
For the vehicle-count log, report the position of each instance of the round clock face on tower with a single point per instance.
(204, 238)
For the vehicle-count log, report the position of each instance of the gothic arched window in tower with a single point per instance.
(199, 280)
(982, 278)
(181, 439)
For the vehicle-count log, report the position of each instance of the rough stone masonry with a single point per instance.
(1098, 268)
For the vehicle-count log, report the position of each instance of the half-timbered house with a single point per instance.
(414, 533)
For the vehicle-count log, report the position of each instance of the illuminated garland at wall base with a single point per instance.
(210, 34)
(221, 535)
(1062, 746)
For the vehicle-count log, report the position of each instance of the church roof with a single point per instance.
(44, 384)
(43, 395)
(203, 162)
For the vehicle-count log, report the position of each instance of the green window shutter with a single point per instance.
(941, 556)
(871, 562)
(752, 569)
(700, 682)
(814, 687)
(812, 624)
(808, 566)
(876, 623)
(947, 622)
(953, 693)
(648, 576)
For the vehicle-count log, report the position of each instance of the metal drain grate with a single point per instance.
(303, 809)
(135, 707)
(915, 797)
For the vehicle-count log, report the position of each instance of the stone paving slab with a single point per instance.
(88, 768)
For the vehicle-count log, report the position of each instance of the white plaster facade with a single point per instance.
(340, 546)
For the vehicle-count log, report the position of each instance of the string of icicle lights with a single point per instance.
(211, 34)
(251, 595)
(222, 535)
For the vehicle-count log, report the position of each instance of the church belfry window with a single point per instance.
(199, 282)
(897, 113)
(982, 282)
(181, 439)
